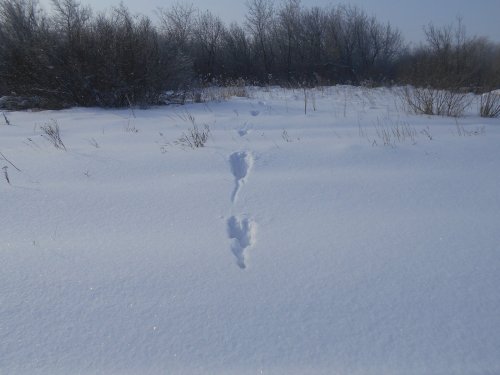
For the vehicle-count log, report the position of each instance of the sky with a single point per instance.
(481, 17)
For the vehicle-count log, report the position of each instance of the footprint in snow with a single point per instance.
(242, 132)
(242, 232)
(241, 163)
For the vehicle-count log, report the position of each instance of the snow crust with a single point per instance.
(291, 243)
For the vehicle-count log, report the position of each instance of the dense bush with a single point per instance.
(451, 60)
(489, 105)
(431, 101)
(72, 56)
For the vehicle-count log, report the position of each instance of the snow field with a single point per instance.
(351, 239)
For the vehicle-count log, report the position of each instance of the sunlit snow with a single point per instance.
(350, 239)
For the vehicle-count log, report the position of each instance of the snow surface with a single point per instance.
(292, 243)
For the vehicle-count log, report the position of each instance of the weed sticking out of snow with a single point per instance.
(52, 133)
(489, 105)
(389, 132)
(7, 122)
(131, 128)
(93, 142)
(285, 136)
(461, 131)
(6, 174)
(194, 138)
(398, 132)
(427, 133)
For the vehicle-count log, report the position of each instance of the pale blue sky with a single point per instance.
(481, 17)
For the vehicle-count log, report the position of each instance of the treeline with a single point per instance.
(73, 56)
(452, 60)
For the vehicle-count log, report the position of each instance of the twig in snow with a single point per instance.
(6, 175)
(8, 161)
(6, 119)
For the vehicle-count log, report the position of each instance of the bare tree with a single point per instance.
(207, 39)
(259, 19)
(25, 39)
(237, 50)
(315, 22)
(289, 34)
(178, 24)
(451, 60)
(70, 21)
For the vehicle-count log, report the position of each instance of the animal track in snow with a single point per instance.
(244, 130)
(241, 163)
(242, 232)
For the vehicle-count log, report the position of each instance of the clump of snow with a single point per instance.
(366, 241)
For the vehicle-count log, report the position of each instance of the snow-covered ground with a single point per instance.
(354, 239)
